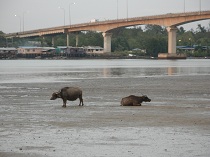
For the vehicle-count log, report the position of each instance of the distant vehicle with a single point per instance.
(94, 20)
(131, 55)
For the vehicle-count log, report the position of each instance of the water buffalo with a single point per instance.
(68, 93)
(133, 100)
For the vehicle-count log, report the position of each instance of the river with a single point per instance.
(26, 71)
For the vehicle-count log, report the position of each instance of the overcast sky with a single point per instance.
(46, 13)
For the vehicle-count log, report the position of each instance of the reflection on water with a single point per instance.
(70, 70)
(117, 71)
(172, 70)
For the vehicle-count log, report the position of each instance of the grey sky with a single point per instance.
(45, 13)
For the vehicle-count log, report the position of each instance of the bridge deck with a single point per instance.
(105, 25)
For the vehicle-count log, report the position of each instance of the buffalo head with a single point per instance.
(145, 98)
(55, 95)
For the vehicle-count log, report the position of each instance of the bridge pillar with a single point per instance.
(77, 39)
(53, 41)
(67, 39)
(172, 39)
(171, 45)
(107, 42)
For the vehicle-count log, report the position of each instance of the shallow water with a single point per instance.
(175, 123)
(30, 71)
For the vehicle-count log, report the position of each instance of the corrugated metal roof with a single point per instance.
(8, 48)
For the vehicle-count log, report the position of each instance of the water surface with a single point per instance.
(14, 71)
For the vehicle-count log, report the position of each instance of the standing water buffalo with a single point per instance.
(133, 100)
(68, 93)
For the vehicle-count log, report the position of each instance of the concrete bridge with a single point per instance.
(170, 21)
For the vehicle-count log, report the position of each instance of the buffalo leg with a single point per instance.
(80, 101)
(135, 104)
(64, 103)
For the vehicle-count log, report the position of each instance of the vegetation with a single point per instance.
(2, 40)
(152, 39)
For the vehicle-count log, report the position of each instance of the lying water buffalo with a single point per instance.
(133, 100)
(68, 93)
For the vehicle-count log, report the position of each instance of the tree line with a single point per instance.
(152, 38)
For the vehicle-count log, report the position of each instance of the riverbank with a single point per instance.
(85, 57)
(97, 57)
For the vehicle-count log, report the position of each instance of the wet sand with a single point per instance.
(175, 123)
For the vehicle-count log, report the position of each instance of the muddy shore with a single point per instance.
(175, 123)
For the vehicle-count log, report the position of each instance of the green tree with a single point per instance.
(2, 40)
(155, 30)
(90, 38)
(120, 44)
(154, 46)
(181, 31)
(201, 29)
(186, 39)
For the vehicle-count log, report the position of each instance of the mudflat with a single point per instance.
(175, 123)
